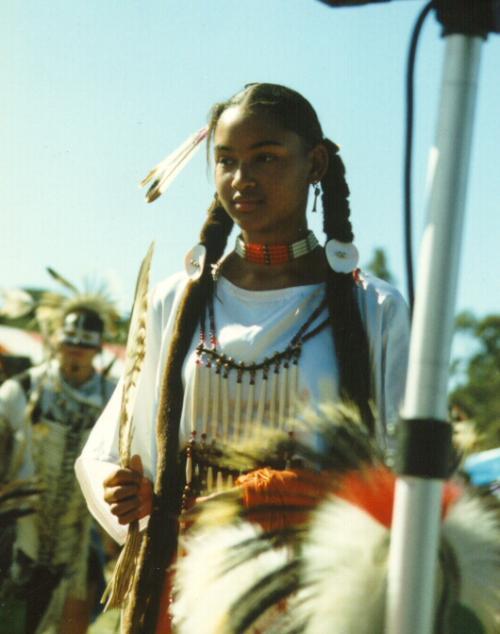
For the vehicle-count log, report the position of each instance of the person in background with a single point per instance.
(50, 410)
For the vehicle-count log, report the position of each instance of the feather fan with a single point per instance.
(240, 575)
(121, 581)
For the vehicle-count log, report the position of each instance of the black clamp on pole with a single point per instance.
(468, 17)
(424, 448)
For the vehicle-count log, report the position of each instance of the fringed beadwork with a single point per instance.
(265, 393)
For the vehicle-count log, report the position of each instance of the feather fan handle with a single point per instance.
(167, 170)
(123, 575)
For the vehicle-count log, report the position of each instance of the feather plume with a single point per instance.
(237, 574)
(472, 528)
(211, 587)
(344, 567)
(62, 280)
(17, 499)
(123, 574)
(166, 171)
(134, 357)
(17, 303)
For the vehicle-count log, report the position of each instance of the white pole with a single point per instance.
(415, 532)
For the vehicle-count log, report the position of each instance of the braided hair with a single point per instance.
(289, 110)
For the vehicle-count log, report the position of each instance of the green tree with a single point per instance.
(379, 266)
(478, 389)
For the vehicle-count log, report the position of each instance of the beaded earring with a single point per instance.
(317, 192)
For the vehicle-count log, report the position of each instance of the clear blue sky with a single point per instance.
(95, 92)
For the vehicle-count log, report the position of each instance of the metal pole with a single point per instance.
(416, 523)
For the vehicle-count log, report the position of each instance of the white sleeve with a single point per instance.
(395, 343)
(386, 318)
(91, 475)
(100, 456)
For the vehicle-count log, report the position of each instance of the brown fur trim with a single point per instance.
(160, 542)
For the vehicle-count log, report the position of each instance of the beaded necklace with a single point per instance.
(272, 254)
(272, 388)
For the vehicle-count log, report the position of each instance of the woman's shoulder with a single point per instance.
(165, 296)
(166, 291)
(378, 288)
(378, 296)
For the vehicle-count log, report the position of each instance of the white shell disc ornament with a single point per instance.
(194, 261)
(343, 257)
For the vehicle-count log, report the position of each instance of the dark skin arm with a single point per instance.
(128, 493)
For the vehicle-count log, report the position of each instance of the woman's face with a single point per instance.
(262, 176)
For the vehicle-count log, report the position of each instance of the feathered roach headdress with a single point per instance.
(300, 550)
(51, 311)
(53, 308)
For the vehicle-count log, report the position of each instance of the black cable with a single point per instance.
(408, 150)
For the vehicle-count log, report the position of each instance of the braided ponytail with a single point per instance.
(160, 542)
(351, 343)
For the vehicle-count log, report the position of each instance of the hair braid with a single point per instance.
(351, 343)
(160, 543)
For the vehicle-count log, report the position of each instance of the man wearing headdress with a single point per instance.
(51, 409)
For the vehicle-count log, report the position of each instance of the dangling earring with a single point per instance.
(317, 192)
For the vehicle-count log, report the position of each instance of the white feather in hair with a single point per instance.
(166, 171)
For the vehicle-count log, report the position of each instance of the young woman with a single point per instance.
(244, 340)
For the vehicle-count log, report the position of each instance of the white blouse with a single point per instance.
(250, 326)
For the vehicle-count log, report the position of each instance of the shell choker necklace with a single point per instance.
(275, 253)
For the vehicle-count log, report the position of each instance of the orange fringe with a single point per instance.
(297, 489)
(371, 490)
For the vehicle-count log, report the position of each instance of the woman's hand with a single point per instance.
(128, 493)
